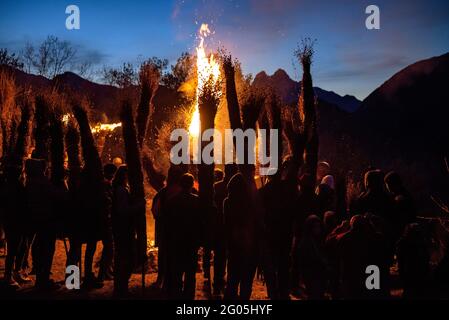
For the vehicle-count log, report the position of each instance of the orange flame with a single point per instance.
(206, 67)
(106, 127)
(97, 128)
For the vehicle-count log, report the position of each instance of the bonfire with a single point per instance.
(207, 68)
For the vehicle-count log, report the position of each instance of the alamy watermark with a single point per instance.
(238, 145)
(372, 282)
(73, 21)
(372, 22)
(73, 277)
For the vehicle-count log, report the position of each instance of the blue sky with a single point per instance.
(262, 33)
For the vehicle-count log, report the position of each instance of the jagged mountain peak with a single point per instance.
(288, 89)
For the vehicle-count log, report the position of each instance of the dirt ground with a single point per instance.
(203, 290)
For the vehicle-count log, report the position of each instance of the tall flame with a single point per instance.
(206, 67)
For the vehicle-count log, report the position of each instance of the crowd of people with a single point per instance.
(295, 239)
(286, 231)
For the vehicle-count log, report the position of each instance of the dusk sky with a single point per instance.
(262, 34)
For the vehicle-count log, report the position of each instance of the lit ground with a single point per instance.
(58, 274)
(202, 291)
(106, 292)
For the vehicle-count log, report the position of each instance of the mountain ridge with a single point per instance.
(289, 90)
(402, 125)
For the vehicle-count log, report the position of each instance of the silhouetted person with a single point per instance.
(325, 199)
(219, 241)
(183, 240)
(88, 226)
(107, 255)
(39, 198)
(313, 262)
(280, 197)
(330, 222)
(123, 211)
(160, 201)
(209, 247)
(331, 248)
(306, 206)
(74, 223)
(359, 248)
(375, 200)
(241, 230)
(13, 217)
(21, 270)
(404, 211)
(414, 262)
